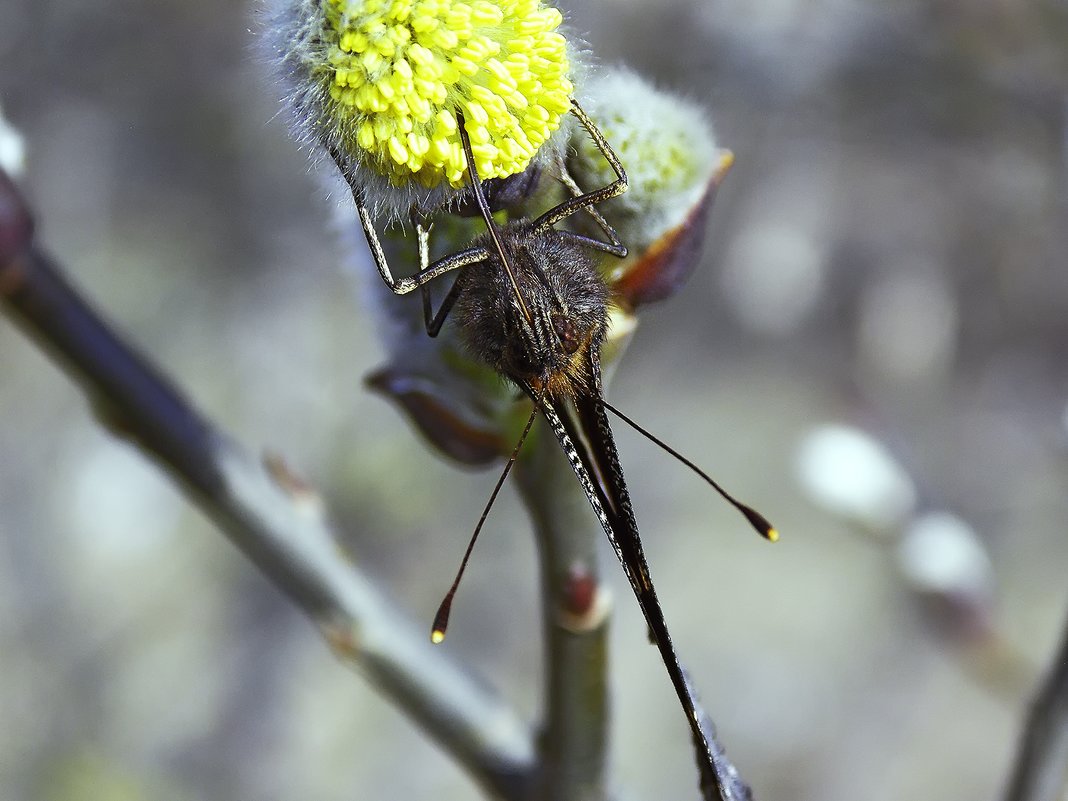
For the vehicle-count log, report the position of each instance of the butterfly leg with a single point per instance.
(427, 272)
(586, 200)
(422, 237)
(614, 245)
(434, 321)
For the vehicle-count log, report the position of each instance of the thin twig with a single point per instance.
(573, 743)
(272, 517)
(1041, 769)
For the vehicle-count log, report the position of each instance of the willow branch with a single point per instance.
(272, 517)
(573, 743)
(1041, 769)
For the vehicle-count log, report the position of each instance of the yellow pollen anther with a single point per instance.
(397, 150)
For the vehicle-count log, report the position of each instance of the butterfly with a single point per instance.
(528, 300)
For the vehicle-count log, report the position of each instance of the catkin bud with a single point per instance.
(381, 83)
(674, 170)
(666, 144)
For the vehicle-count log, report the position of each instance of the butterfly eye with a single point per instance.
(567, 333)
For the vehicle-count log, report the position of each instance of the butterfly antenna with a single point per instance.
(487, 215)
(756, 520)
(441, 619)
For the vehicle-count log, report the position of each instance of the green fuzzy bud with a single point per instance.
(666, 143)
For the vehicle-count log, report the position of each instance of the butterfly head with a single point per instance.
(548, 335)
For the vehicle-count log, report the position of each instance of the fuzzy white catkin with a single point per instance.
(849, 473)
(940, 553)
(12, 148)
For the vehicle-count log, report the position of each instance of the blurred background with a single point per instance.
(887, 254)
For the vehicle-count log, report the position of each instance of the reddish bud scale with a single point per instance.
(439, 418)
(580, 591)
(661, 270)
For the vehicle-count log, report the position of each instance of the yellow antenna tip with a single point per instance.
(437, 636)
(772, 535)
(726, 161)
